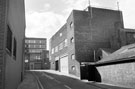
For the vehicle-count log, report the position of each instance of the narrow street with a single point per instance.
(52, 81)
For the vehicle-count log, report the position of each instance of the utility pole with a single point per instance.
(121, 18)
(118, 5)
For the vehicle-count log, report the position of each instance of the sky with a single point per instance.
(45, 17)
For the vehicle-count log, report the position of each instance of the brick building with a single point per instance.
(58, 47)
(45, 59)
(12, 33)
(33, 52)
(121, 37)
(84, 33)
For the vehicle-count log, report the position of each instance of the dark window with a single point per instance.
(73, 67)
(71, 25)
(73, 57)
(14, 50)
(9, 39)
(72, 40)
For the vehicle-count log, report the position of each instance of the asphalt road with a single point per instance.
(53, 81)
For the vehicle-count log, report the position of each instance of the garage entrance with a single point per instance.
(64, 65)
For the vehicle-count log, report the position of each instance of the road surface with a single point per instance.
(54, 81)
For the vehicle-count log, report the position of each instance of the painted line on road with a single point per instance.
(38, 81)
(57, 81)
(67, 87)
(50, 77)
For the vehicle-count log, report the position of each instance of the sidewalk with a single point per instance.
(29, 82)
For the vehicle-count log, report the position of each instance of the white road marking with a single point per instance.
(38, 81)
(67, 87)
(47, 76)
(57, 81)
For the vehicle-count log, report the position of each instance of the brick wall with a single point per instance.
(2, 36)
(55, 41)
(90, 37)
(90, 34)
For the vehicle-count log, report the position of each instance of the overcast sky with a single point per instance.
(45, 17)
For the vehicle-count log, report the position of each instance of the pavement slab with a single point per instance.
(29, 82)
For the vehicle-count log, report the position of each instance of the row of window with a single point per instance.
(35, 46)
(35, 50)
(60, 46)
(11, 43)
(71, 26)
(72, 57)
(35, 57)
(35, 41)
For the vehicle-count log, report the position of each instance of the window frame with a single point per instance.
(72, 40)
(15, 48)
(9, 40)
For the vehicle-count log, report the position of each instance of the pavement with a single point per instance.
(29, 82)
(32, 82)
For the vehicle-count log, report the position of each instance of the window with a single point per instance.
(43, 41)
(9, 39)
(61, 46)
(14, 49)
(72, 40)
(71, 25)
(52, 50)
(36, 57)
(73, 57)
(65, 43)
(37, 46)
(31, 41)
(31, 46)
(26, 61)
(40, 41)
(73, 67)
(43, 46)
(40, 46)
(60, 34)
(47, 55)
(56, 49)
(26, 41)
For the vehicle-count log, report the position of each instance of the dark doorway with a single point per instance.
(57, 65)
(93, 74)
(84, 72)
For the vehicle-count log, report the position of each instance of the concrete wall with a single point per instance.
(118, 74)
(16, 21)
